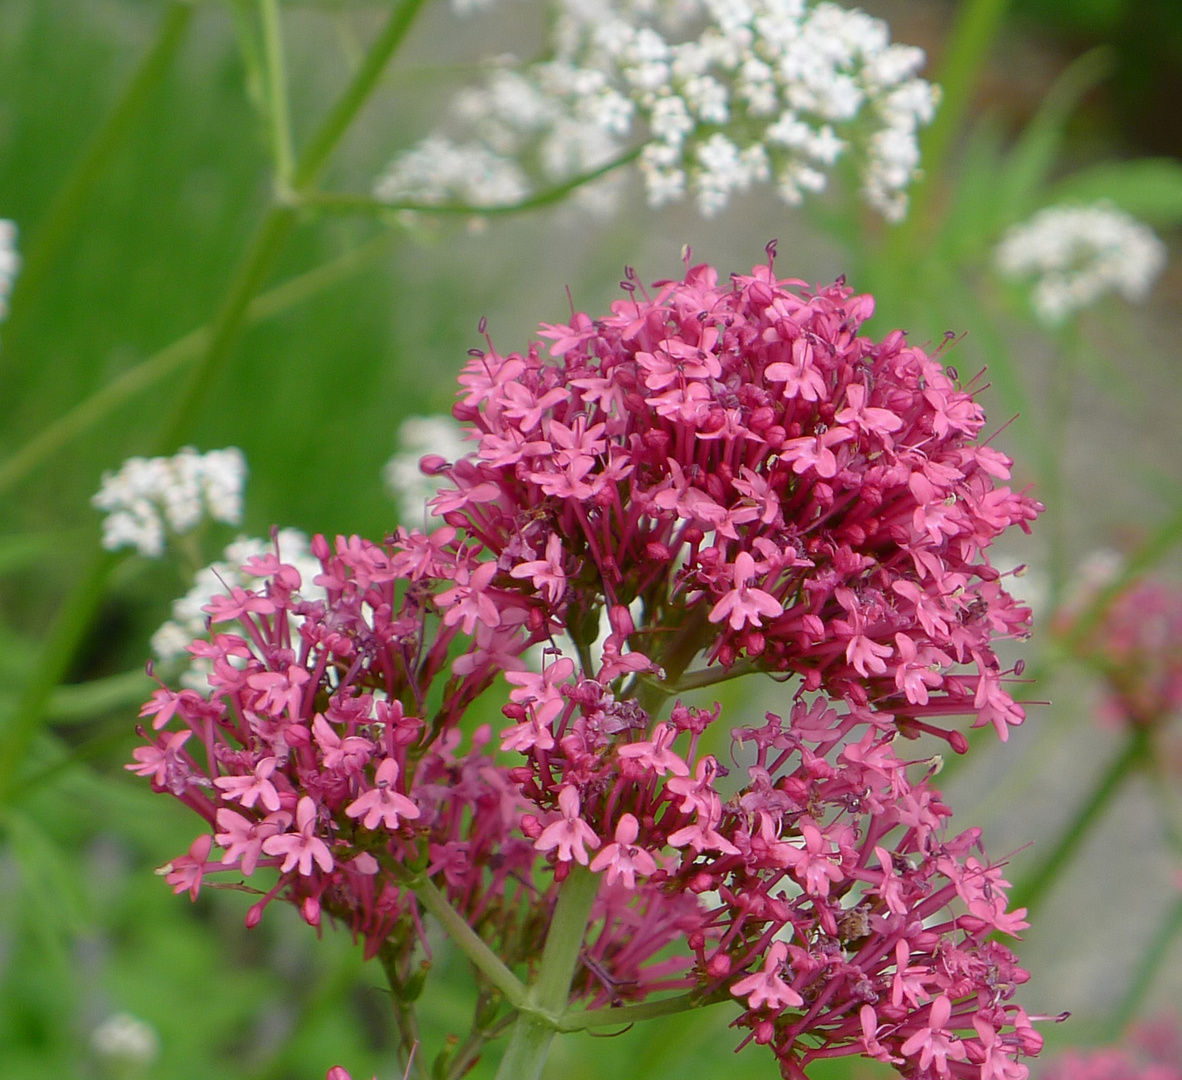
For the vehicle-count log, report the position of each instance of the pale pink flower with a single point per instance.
(303, 847)
(382, 805)
(623, 859)
(766, 989)
(570, 833)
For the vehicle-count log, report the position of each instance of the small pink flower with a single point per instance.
(382, 805)
(655, 753)
(255, 787)
(186, 873)
(623, 859)
(766, 988)
(243, 838)
(744, 604)
(570, 833)
(546, 573)
(303, 847)
(935, 1043)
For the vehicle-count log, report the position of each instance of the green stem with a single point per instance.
(276, 75)
(56, 655)
(470, 943)
(278, 223)
(629, 1014)
(247, 280)
(404, 1015)
(332, 202)
(1029, 890)
(965, 54)
(1146, 556)
(536, 1026)
(67, 205)
(314, 158)
(146, 374)
(1146, 972)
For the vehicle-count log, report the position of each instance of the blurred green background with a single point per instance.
(315, 397)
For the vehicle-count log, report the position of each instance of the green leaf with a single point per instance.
(1033, 158)
(1149, 188)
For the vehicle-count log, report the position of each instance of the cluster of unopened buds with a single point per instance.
(728, 478)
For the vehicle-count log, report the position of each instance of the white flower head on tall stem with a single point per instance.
(717, 95)
(148, 497)
(1077, 254)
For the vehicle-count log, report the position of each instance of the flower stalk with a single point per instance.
(1028, 892)
(538, 1022)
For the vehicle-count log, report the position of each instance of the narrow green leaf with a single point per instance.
(1149, 188)
(1033, 158)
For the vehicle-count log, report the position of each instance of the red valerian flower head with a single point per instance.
(732, 480)
(767, 487)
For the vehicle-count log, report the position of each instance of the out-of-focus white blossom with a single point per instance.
(171, 642)
(1077, 254)
(126, 1041)
(418, 437)
(722, 93)
(10, 262)
(147, 495)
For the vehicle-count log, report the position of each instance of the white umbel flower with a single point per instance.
(787, 85)
(417, 437)
(148, 497)
(1077, 254)
(10, 263)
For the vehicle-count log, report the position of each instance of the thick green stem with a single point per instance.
(1158, 545)
(536, 1025)
(252, 271)
(316, 155)
(404, 1014)
(331, 202)
(470, 943)
(64, 211)
(1029, 890)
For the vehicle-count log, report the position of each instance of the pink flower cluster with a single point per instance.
(724, 474)
(772, 489)
(1137, 647)
(1153, 1051)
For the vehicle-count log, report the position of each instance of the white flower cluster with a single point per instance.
(753, 91)
(10, 262)
(171, 642)
(1078, 254)
(147, 494)
(417, 437)
(126, 1042)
